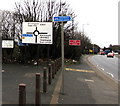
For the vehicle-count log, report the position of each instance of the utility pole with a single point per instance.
(62, 51)
(62, 19)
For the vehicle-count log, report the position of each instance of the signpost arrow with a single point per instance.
(62, 18)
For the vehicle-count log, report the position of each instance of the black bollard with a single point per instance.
(22, 94)
(37, 92)
(44, 79)
(49, 74)
(53, 69)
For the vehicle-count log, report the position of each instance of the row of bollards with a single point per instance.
(48, 75)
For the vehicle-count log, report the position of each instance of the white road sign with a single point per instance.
(7, 43)
(37, 32)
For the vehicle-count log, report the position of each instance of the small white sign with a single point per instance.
(7, 43)
(37, 32)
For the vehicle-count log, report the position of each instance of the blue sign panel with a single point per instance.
(27, 35)
(62, 18)
(22, 44)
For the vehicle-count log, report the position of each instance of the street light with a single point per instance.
(83, 30)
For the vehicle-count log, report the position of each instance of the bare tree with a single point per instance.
(41, 11)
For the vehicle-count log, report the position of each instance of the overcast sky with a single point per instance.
(99, 18)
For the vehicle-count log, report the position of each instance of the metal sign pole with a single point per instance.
(62, 51)
(62, 19)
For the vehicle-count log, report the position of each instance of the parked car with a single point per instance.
(107, 51)
(111, 54)
(102, 53)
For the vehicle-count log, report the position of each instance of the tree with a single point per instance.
(43, 11)
(36, 11)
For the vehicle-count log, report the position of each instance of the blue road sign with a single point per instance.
(22, 44)
(62, 18)
(27, 35)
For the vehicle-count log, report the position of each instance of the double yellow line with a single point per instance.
(71, 69)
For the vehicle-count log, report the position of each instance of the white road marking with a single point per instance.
(88, 80)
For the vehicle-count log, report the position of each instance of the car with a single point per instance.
(111, 54)
(107, 51)
(102, 53)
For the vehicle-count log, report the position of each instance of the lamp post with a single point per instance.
(83, 31)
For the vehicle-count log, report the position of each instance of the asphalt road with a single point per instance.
(107, 65)
(84, 85)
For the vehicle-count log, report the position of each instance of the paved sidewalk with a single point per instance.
(14, 74)
(82, 85)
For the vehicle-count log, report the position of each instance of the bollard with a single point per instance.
(58, 61)
(22, 94)
(37, 92)
(52, 69)
(57, 64)
(44, 79)
(55, 67)
(49, 74)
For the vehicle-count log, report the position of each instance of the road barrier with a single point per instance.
(49, 72)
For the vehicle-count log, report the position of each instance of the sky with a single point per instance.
(98, 18)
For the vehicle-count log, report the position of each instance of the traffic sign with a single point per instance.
(7, 44)
(62, 18)
(75, 42)
(22, 44)
(37, 32)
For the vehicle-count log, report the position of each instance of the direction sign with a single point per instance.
(37, 32)
(7, 44)
(75, 42)
(22, 44)
(62, 18)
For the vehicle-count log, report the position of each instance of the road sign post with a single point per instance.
(62, 19)
(62, 51)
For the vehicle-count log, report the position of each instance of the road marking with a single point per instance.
(88, 80)
(71, 69)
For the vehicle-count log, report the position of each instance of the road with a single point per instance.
(107, 65)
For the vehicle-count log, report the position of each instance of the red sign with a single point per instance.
(74, 42)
